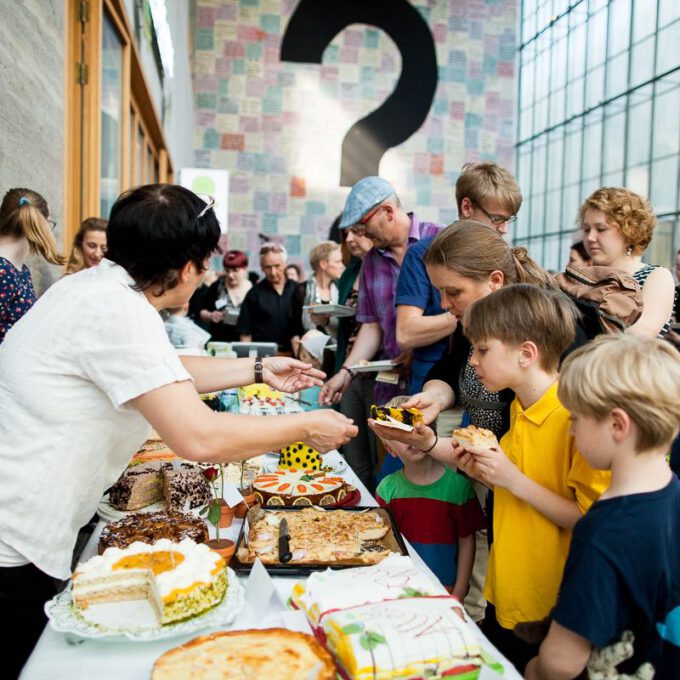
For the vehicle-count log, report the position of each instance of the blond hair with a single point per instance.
(629, 212)
(638, 375)
(321, 251)
(521, 313)
(481, 182)
(24, 214)
(76, 259)
(475, 250)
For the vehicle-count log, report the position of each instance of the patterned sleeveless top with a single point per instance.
(641, 276)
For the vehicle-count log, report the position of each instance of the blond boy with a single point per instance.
(623, 571)
(541, 484)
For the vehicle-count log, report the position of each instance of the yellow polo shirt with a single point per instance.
(529, 551)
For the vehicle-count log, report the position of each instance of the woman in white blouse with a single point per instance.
(90, 368)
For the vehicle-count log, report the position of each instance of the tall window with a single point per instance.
(115, 139)
(598, 105)
(111, 115)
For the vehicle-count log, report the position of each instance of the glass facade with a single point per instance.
(598, 105)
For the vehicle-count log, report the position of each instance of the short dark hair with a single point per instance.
(580, 248)
(155, 229)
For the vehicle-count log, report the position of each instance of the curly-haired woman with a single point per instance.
(617, 227)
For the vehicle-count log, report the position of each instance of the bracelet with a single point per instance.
(349, 370)
(436, 439)
(259, 367)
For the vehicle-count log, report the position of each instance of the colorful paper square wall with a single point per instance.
(278, 127)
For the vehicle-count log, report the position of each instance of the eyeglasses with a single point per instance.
(359, 229)
(52, 223)
(497, 219)
(209, 204)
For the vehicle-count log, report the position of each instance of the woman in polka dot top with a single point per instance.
(25, 228)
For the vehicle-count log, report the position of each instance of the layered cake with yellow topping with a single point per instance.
(180, 580)
(299, 487)
(300, 456)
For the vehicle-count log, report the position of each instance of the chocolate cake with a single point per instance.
(137, 487)
(149, 527)
(182, 487)
(185, 487)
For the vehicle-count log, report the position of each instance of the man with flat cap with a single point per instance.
(373, 209)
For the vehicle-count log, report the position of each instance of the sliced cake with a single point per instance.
(180, 580)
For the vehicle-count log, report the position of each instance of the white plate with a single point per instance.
(331, 310)
(394, 424)
(373, 366)
(64, 618)
(110, 514)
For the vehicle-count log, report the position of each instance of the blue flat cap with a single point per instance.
(365, 194)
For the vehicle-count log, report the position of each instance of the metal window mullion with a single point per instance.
(628, 89)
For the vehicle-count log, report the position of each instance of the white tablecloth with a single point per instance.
(57, 657)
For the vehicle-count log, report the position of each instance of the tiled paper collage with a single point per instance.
(278, 127)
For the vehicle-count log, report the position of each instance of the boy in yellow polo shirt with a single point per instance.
(541, 484)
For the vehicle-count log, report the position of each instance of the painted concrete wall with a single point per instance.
(278, 127)
(32, 107)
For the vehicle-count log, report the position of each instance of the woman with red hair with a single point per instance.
(223, 299)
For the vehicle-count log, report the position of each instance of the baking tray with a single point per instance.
(392, 540)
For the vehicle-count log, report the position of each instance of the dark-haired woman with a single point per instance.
(222, 301)
(25, 228)
(90, 369)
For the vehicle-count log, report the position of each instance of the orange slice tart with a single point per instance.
(294, 486)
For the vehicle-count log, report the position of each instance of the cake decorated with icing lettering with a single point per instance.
(179, 579)
(300, 456)
(299, 488)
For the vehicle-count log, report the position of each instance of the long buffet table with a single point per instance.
(60, 656)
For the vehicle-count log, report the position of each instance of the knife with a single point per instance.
(285, 555)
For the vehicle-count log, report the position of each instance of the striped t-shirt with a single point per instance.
(433, 517)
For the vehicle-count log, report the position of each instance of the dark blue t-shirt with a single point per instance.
(414, 289)
(623, 573)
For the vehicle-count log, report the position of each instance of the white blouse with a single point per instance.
(67, 370)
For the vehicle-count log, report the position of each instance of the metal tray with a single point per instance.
(392, 540)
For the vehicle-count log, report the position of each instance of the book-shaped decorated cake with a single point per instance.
(394, 578)
(406, 638)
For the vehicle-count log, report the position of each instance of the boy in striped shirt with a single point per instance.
(436, 510)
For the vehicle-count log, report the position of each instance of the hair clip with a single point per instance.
(24, 200)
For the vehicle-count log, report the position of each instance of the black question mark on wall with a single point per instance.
(310, 30)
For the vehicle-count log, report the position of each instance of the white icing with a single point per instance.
(394, 577)
(198, 566)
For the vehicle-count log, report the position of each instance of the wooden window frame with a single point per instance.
(82, 159)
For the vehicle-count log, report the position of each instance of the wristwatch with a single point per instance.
(259, 367)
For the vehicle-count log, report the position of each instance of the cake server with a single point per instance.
(285, 555)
